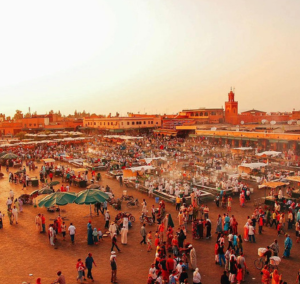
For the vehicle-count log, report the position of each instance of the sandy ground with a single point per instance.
(24, 251)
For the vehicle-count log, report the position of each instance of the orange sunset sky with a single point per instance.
(153, 56)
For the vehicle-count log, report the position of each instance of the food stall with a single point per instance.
(79, 181)
(134, 172)
(295, 179)
(251, 168)
(273, 195)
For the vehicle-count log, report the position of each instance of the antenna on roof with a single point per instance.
(230, 88)
(233, 89)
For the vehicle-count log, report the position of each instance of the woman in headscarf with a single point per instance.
(200, 229)
(90, 240)
(233, 269)
(227, 223)
(242, 200)
(208, 228)
(246, 232)
(181, 238)
(287, 246)
(219, 224)
(59, 222)
(234, 226)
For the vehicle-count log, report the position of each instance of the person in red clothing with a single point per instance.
(217, 252)
(43, 224)
(279, 225)
(239, 276)
(157, 241)
(80, 269)
(51, 176)
(170, 264)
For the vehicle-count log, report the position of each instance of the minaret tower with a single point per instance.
(231, 109)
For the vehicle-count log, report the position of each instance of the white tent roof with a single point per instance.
(135, 169)
(253, 165)
(244, 148)
(269, 153)
(124, 137)
(149, 160)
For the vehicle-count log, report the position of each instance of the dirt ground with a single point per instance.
(24, 251)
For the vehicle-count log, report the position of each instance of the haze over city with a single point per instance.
(148, 56)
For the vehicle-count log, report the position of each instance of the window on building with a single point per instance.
(144, 122)
(29, 124)
(128, 123)
(148, 122)
(201, 113)
(156, 122)
(34, 124)
(205, 114)
(94, 123)
(107, 123)
(103, 123)
(133, 123)
(151, 122)
(213, 113)
(192, 114)
(196, 114)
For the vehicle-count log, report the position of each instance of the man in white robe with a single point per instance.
(112, 229)
(193, 258)
(124, 232)
(15, 213)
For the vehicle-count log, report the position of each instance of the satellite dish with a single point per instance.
(242, 122)
(298, 122)
(264, 121)
(213, 129)
(290, 122)
(273, 122)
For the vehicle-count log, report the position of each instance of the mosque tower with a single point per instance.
(231, 109)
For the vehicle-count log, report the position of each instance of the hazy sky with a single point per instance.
(148, 55)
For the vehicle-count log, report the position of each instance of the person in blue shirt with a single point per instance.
(89, 261)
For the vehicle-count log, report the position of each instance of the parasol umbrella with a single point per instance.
(53, 183)
(9, 156)
(57, 198)
(90, 196)
(46, 190)
(94, 186)
(3, 153)
(35, 193)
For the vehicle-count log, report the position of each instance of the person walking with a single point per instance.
(242, 262)
(114, 243)
(14, 211)
(72, 231)
(89, 261)
(287, 246)
(221, 254)
(113, 264)
(107, 218)
(143, 234)
(251, 233)
(80, 269)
